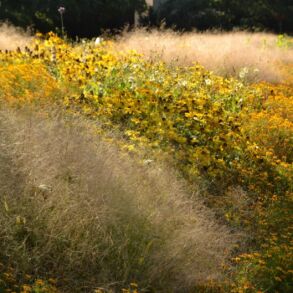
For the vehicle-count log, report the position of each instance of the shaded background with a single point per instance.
(87, 18)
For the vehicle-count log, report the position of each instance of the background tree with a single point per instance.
(88, 17)
(273, 15)
(84, 18)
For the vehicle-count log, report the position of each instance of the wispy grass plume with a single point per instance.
(73, 208)
(260, 55)
(12, 37)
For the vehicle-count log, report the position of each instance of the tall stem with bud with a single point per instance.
(61, 10)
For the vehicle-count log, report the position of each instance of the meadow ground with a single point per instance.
(259, 56)
(128, 167)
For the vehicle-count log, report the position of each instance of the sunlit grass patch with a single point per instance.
(249, 56)
(11, 37)
(77, 211)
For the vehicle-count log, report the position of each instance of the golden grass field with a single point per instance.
(223, 53)
(12, 37)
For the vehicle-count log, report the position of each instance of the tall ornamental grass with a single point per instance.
(74, 209)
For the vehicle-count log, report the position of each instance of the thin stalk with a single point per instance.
(62, 25)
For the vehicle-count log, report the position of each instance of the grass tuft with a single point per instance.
(12, 37)
(75, 209)
(257, 55)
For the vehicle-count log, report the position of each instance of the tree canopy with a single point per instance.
(84, 18)
(273, 15)
(87, 18)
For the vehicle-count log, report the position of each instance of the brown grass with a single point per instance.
(226, 54)
(12, 37)
(73, 208)
(252, 55)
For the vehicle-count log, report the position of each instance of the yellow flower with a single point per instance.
(39, 282)
(26, 289)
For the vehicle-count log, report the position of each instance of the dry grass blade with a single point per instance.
(224, 53)
(11, 37)
(89, 216)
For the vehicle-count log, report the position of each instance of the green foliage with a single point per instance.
(226, 14)
(85, 18)
(89, 17)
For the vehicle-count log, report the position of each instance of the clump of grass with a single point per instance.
(258, 56)
(12, 37)
(73, 208)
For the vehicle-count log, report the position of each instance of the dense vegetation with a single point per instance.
(230, 140)
(258, 15)
(86, 19)
(92, 16)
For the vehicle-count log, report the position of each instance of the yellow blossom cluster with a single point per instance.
(11, 282)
